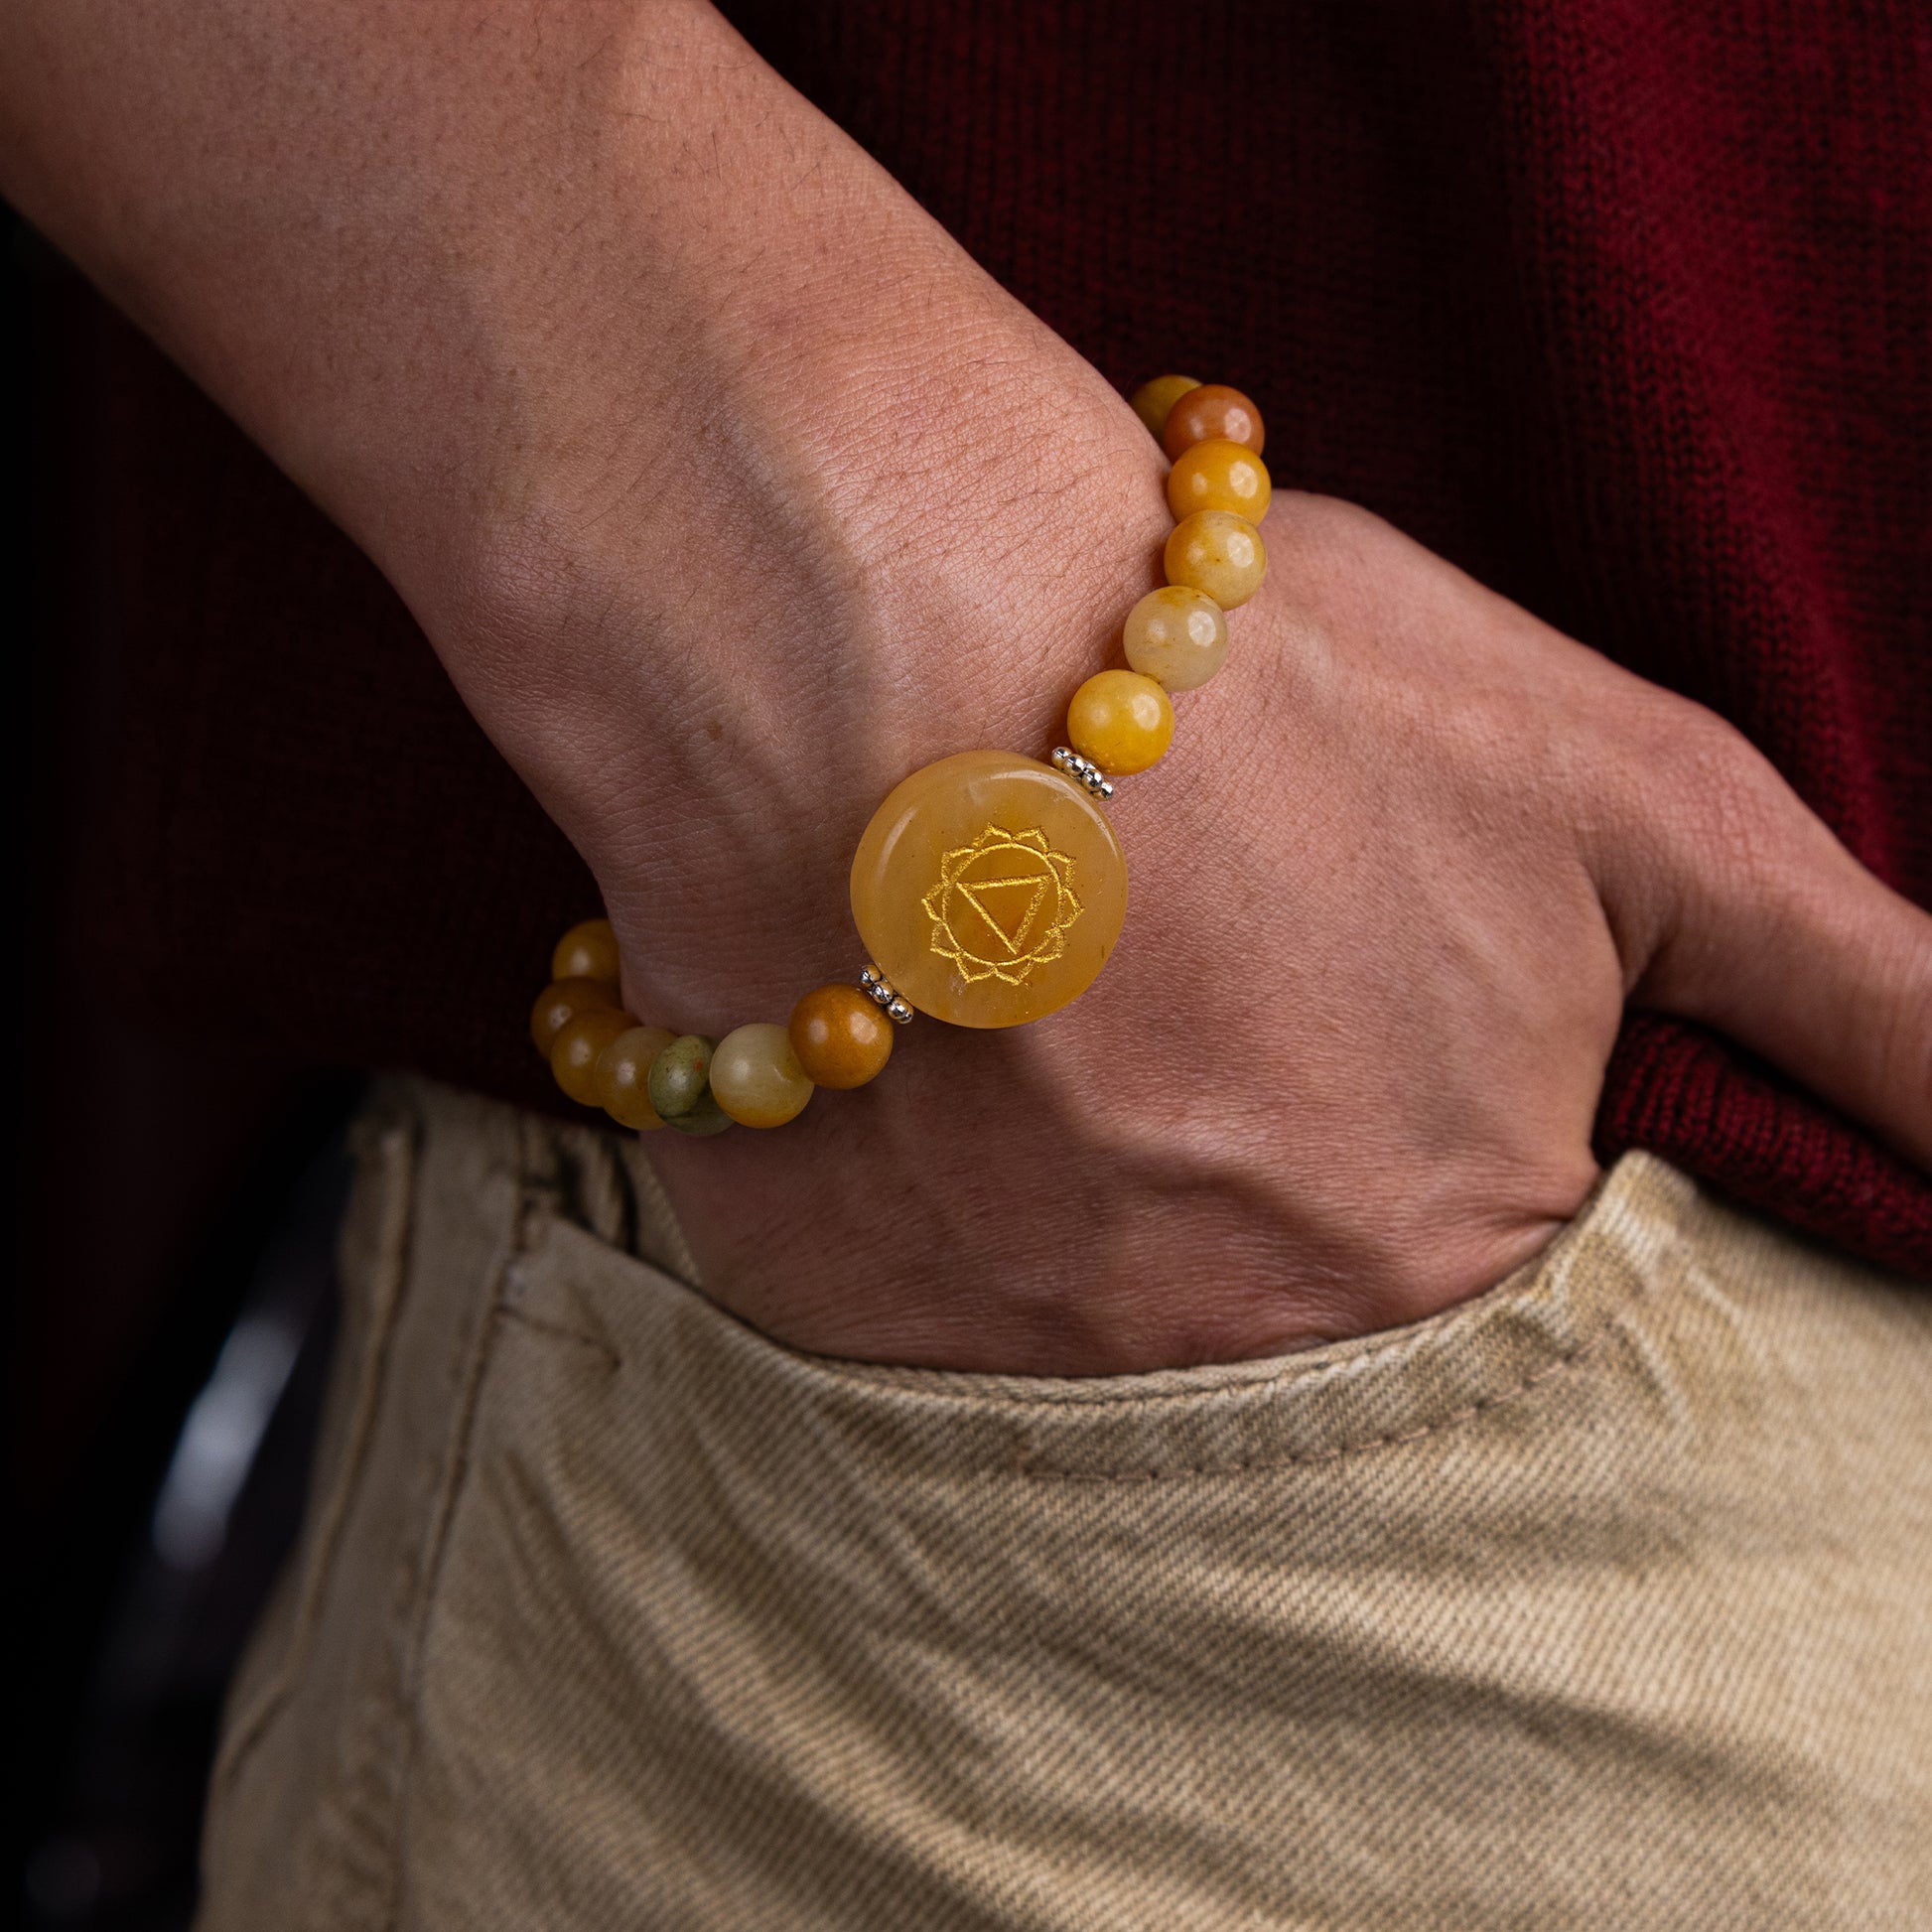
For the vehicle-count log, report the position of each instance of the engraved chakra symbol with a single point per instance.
(1002, 905)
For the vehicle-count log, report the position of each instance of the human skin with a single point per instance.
(730, 491)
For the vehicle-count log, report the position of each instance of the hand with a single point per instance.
(1409, 857)
(730, 491)
(1410, 854)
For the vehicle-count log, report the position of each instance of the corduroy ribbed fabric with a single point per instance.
(1625, 309)
(1600, 1600)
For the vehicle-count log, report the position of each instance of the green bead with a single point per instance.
(707, 1117)
(679, 1074)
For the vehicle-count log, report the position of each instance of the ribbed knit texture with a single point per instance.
(1625, 309)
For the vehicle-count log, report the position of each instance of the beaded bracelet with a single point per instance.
(988, 888)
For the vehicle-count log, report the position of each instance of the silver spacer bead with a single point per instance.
(878, 989)
(1082, 772)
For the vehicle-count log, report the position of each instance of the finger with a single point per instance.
(1749, 916)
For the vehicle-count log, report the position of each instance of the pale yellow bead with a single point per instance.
(1177, 636)
(1121, 719)
(1219, 554)
(1153, 400)
(755, 1076)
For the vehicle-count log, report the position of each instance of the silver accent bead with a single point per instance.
(1084, 771)
(878, 989)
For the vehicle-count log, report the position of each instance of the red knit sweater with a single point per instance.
(1626, 309)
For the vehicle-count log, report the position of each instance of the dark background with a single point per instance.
(163, 1189)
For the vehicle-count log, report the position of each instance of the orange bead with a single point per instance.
(1152, 401)
(1211, 410)
(841, 1038)
(1219, 475)
(587, 952)
(1121, 719)
(559, 1003)
(573, 1053)
(622, 1074)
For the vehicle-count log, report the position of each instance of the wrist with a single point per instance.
(712, 705)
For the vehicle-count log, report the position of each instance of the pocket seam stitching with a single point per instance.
(1549, 1270)
(1426, 1335)
(1261, 1464)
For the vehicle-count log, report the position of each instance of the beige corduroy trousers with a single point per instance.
(1605, 1600)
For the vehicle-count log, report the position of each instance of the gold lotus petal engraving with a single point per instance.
(988, 888)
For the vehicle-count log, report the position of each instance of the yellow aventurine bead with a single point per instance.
(1177, 636)
(587, 952)
(1219, 554)
(1153, 400)
(1219, 475)
(755, 1076)
(1121, 719)
(573, 1053)
(559, 1003)
(622, 1074)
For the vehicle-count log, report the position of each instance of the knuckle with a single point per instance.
(1711, 786)
(1909, 1049)
(1698, 836)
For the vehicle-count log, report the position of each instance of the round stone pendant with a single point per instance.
(989, 889)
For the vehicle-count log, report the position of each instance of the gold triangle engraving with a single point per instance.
(1034, 886)
(1033, 932)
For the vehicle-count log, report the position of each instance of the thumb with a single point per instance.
(1735, 905)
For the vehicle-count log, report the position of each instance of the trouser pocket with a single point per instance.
(1587, 1590)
